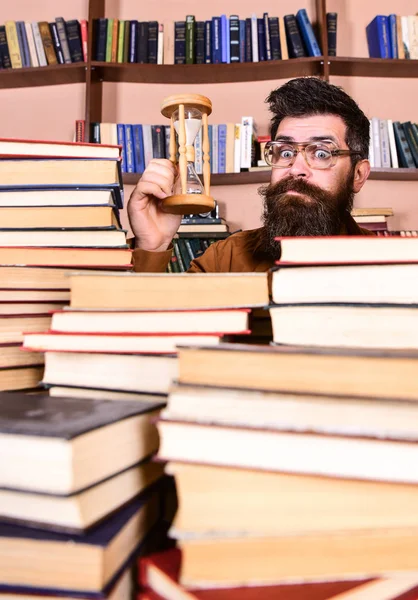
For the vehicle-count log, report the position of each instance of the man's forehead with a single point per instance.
(304, 128)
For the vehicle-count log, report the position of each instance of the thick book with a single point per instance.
(308, 35)
(53, 217)
(62, 33)
(64, 257)
(165, 291)
(25, 147)
(53, 445)
(52, 562)
(143, 41)
(21, 377)
(332, 19)
(360, 372)
(378, 40)
(13, 325)
(293, 37)
(180, 42)
(63, 238)
(61, 196)
(73, 31)
(100, 37)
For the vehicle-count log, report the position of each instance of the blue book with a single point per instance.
(23, 43)
(261, 32)
(377, 32)
(133, 41)
(221, 148)
(224, 39)
(129, 145)
(121, 141)
(216, 40)
(393, 37)
(208, 45)
(242, 40)
(138, 148)
(180, 42)
(100, 39)
(307, 32)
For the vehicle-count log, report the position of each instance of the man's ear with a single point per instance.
(361, 173)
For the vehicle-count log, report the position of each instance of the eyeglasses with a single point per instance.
(318, 155)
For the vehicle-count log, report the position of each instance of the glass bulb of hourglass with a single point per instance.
(192, 125)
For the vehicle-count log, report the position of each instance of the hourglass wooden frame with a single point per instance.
(188, 203)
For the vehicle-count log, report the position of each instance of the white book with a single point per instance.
(384, 144)
(376, 142)
(160, 52)
(40, 52)
(147, 136)
(247, 126)
(198, 154)
(371, 146)
(254, 37)
(237, 148)
(413, 36)
(31, 43)
(214, 149)
(405, 36)
(392, 145)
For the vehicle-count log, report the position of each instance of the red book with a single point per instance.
(84, 38)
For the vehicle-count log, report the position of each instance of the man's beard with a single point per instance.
(319, 213)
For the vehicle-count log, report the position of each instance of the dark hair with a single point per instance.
(306, 96)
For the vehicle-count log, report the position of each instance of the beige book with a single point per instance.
(13, 43)
(168, 52)
(283, 42)
(401, 49)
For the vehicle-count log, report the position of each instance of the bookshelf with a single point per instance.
(112, 91)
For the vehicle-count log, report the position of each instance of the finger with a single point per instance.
(160, 164)
(162, 180)
(148, 188)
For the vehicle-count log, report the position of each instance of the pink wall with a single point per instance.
(50, 112)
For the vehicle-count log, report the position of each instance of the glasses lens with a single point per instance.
(279, 154)
(319, 156)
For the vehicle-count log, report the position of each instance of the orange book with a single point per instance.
(84, 37)
(114, 50)
(51, 57)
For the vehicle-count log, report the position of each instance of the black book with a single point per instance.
(142, 42)
(180, 42)
(200, 43)
(56, 43)
(4, 49)
(74, 40)
(158, 141)
(234, 38)
(332, 33)
(152, 42)
(261, 40)
(248, 41)
(100, 39)
(412, 142)
(44, 431)
(275, 38)
(294, 39)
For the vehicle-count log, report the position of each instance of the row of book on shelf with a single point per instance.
(218, 40)
(139, 354)
(393, 144)
(232, 145)
(393, 36)
(38, 44)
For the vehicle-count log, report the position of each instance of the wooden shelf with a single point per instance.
(38, 76)
(372, 67)
(259, 177)
(219, 73)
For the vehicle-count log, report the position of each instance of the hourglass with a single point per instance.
(187, 112)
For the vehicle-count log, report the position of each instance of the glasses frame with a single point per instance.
(301, 147)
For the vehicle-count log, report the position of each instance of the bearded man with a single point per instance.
(319, 159)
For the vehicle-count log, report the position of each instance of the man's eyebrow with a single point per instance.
(314, 138)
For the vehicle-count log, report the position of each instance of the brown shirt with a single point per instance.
(240, 252)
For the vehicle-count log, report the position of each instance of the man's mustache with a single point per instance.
(291, 184)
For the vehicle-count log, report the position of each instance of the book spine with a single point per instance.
(247, 124)
(248, 40)
(393, 36)
(294, 40)
(142, 42)
(74, 40)
(115, 37)
(254, 38)
(152, 51)
(109, 37)
(56, 43)
(160, 44)
(138, 148)
(84, 38)
(234, 46)
(242, 40)
(274, 38)
(180, 42)
(62, 34)
(100, 39)
(133, 34)
(184, 253)
(307, 32)
(198, 160)
(214, 149)
(13, 44)
(120, 130)
(283, 39)
(412, 142)
(216, 40)
(384, 144)
(222, 148)
(31, 43)
(24, 49)
(45, 32)
(383, 36)
(129, 145)
(158, 141)
(406, 160)
(237, 148)
(267, 36)
(208, 40)
(147, 138)
(223, 39)
(200, 43)
(121, 37)
(190, 39)
(405, 37)
(413, 36)
(80, 128)
(371, 145)
(392, 145)
(261, 40)
(168, 52)
(95, 133)
(332, 33)
(40, 51)
(376, 142)
(4, 49)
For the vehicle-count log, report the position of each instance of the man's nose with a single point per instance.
(300, 167)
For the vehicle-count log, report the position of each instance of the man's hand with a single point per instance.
(152, 227)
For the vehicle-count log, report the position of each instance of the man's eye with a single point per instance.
(286, 153)
(322, 154)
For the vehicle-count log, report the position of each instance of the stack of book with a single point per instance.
(297, 461)
(121, 332)
(374, 219)
(59, 209)
(79, 495)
